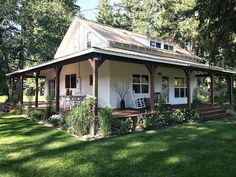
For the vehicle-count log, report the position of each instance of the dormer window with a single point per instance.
(168, 47)
(88, 39)
(152, 43)
(158, 45)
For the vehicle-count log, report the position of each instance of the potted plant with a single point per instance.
(121, 88)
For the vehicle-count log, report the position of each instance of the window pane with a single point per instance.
(145, 79)
(73, 81)
(67, 81)
(166, 46)
(177, 82)
(171, 48)
(182, 92)
(152, 43)
(136, 88)
(136, 78)
(176, 92)
(185, 82)
(158, 45)
(145, 89)
(182, 82)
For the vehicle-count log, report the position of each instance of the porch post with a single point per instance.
(21, 84)
(231, 81)
(212, 88)
(10, 90)
(94, 65)
(152, 68)
(188, 73)
(57, 85)
(36, 88)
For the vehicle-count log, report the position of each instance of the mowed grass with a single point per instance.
(195, 150)
(3, 99)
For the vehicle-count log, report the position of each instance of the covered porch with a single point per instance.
(96, 58)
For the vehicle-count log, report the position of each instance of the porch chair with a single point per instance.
(138, 103)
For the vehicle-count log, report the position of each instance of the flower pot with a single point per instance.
(122, 104)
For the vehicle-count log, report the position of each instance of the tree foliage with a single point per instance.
(31, 31)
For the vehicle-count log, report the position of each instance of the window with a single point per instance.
(158, 45)
(168, 47)
(180, 87)
(88, 39)
(140, 83)
(152, 43)
(91, 80)
(70, 81)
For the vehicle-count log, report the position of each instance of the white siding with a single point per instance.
(76, 40)
(121, 71)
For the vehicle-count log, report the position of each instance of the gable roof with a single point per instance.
(130, 41)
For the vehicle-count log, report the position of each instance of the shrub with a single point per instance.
(120, 127)
(106, 120)
(192, 115)
(55, 120)
(47, 113)
(77, 121)
(37, 114)
(81, 118)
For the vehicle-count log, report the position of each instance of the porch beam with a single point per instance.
(212, 88)
(188, 73)
(36, 88)
(57, 69)
(151, 67)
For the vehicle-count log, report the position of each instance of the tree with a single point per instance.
(217, 27)
(105, 15)
(31, 31)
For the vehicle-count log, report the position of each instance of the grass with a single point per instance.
(195, 150)
(3, 98)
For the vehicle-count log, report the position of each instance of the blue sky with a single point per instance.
(88, 8)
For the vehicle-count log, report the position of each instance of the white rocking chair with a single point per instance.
(138, 103)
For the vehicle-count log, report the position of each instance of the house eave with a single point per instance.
(122, 53)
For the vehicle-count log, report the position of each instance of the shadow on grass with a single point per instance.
(28, 149)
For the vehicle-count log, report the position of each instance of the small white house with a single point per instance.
(95, 59)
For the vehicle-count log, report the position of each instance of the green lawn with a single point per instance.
(199, 150)
(3, 99)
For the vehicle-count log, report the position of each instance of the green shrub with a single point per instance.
(37, 114)
(105, 120)
(55, 120)
(77, 121)
(120, 127)
(196, 102)
(47, 113)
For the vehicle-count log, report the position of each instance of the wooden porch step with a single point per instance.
(215, 116)
(211, 113)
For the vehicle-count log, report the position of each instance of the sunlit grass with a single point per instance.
(3, 99)
(29, 149)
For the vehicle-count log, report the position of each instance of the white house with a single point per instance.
(93, 58)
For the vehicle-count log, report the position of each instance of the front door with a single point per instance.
(165, 88)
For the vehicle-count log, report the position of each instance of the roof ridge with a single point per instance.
(125, 30)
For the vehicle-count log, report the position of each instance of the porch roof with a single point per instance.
(110, 53)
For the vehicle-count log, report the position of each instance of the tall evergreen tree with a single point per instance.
(217, 27)
(105, 15)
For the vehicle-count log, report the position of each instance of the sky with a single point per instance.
(89, 8)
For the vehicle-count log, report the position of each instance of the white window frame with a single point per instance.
(179, 87)
(141, 83)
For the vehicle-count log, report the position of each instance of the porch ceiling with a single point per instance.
(120, 55)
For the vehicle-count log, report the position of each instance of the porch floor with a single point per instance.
(125, 113)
